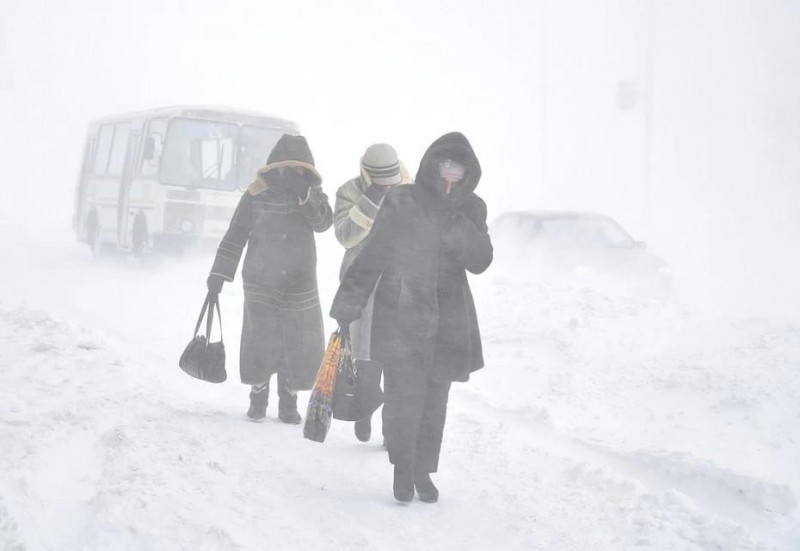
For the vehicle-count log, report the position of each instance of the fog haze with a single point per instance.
(710, 181)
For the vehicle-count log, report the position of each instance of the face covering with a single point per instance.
(451, 173)
(295, 178)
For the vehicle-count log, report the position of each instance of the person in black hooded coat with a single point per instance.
(282, 327)
(425, 329)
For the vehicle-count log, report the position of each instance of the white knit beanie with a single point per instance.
(381, 166)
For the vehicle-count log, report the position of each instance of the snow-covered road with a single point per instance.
(600, 421)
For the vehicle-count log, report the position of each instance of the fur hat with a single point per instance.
(291, 148)
(380, 165)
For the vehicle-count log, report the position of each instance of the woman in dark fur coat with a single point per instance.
(282, 328)
(425, 331)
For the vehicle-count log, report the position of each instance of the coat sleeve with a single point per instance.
(317, 209)
(466, 238)
(230, 248)
(360, 279)
(354, 215)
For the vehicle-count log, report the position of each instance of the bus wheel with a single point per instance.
(140, 245)
(94, 239)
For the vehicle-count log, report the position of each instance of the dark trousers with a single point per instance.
(372, 370)
(414, 412)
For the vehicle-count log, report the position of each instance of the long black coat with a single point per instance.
(282, 327)
(419, 250)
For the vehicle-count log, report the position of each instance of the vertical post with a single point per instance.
(648, 116)
(544, 98)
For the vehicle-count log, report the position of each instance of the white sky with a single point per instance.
(532, 84)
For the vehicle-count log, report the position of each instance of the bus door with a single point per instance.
(124, 213)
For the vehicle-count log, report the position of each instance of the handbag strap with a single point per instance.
(215, 300)
(212, 300)
(202, 314)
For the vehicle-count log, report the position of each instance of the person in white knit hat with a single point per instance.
(357, 204)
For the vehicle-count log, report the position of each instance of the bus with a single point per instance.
(168, 178)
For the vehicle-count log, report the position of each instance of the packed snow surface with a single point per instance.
(601, 421)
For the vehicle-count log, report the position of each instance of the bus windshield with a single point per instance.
(216, 155)
(257, 142)
(200, 154)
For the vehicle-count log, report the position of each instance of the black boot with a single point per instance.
(287, 410)
(258, 403)
(426, 491)
(287, 402)
(403, 484)
(363, 429)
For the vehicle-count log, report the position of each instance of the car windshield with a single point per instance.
(216, 155)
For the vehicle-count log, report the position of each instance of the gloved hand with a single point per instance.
(375, 193)
(214, 283)
(344, 327)
(458, 233)
(298, 183)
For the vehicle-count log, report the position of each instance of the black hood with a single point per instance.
(456, 147)
(291, 148)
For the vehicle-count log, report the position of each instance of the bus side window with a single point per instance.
(88, 156)
(153, 148)
(103, 150)
(119, 149)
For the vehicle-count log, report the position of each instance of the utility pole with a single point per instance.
(544, 99)
(648, 116)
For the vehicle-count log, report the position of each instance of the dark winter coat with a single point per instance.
(421, 246)
(353, 216)
(282, 328)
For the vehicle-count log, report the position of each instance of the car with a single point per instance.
(583, 248)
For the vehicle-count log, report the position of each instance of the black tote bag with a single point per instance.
(357, 393)
(202, 359)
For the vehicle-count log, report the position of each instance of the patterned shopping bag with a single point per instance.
(320, 404)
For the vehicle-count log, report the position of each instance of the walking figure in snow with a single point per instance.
(282, 327)
(424, 327)
(357, 203)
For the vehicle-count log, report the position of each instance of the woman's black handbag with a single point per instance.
(202, 359)
(357, 393)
